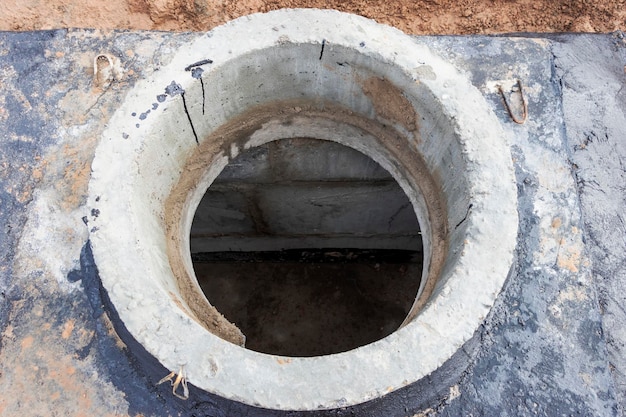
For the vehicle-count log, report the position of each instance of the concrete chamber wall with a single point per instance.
(548, 342)
(304, 193)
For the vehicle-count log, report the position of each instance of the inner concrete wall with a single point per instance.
(304, 193)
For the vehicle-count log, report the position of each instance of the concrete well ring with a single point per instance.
(301, 73)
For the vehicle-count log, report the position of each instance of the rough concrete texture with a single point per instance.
(596, 140)
(544, 347)
(552, 345)
(358, 86)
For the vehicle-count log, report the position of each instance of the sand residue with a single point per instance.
(417, 17)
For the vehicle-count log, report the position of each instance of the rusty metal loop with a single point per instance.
(521, 120)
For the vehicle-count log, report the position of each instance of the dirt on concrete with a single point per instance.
(413, 17)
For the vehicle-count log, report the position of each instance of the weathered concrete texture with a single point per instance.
(552, 345)
(302, 79)
(595, 116)
(59, 352)
(543, 347)
(301, 160)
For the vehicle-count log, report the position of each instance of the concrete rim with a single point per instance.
(149, 142)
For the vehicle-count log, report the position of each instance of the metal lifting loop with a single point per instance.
(524, 104)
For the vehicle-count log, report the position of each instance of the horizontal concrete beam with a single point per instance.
(302, 160)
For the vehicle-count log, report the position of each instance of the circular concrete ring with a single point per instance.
(301, 73)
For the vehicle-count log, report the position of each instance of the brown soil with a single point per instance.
(415, 17)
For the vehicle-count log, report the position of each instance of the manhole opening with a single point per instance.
(364, 86)
(309, 247)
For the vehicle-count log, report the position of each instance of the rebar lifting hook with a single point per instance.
(176, 380)
(524, 104)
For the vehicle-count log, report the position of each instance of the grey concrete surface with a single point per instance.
(302, 160)
(552, 345)
(596, 138)
(545, 344)
(359, 87)
(304, 193)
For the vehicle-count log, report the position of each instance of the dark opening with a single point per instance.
(309, 247)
